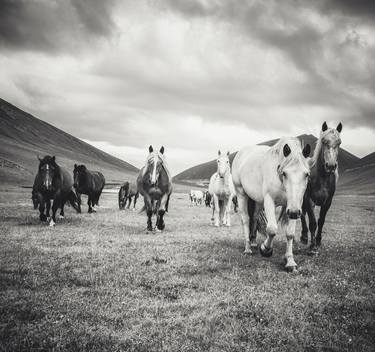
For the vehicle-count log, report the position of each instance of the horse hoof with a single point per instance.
(247, 251)
(265, 252)
(61, 217)
(254, 245)
(291, 269)
(51, 223)
(304, 239)
(157, 230)
(217, 225)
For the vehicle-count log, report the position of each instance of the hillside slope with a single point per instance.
(205, 170)
(23, 137)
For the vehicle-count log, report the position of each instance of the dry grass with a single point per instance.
(100, 282)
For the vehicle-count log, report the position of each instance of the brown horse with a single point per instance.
(322, 184)
(90, 183)
(125, 195)
(154, 184)
(53, 182)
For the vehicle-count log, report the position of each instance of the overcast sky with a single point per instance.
(194, 76)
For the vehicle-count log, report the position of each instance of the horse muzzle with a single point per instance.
(330, 168)
(293, 214)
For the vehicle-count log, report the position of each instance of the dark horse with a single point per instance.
(126, 193)
(90, 183)
(207, 198)
(53, 182)
(322, 184)
(154, 184)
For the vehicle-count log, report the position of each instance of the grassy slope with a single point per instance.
(22, 137)
(99, 282)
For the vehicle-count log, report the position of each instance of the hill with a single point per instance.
(204, 171)
(23, 137)
(368, 159)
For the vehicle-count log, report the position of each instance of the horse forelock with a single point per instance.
(330, 133)
(294, 158)
(158, 156)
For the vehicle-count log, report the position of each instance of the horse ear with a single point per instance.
(286, 150)
(306, 150)
(150, 149)
(339, 127)
(75, 166)
(53, 158)
(228, 153)
(324, 126)
(162, 150)
(219, 152)
(39, 158)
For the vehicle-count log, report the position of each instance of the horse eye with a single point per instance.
(284, 174)
(307, 175)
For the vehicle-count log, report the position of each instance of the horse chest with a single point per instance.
(322, 188)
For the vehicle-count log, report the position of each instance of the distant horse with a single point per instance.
(207, 199)
(322, 184)
(222, 190)
(196, 197)
(125, 195)
(90, 183)
(154, 184)
(53, 182)
(270, 177)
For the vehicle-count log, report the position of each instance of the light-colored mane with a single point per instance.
(319, 144)
(163, 162)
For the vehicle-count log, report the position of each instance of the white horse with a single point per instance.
(270, 177)
(222, 190)
(196, 197)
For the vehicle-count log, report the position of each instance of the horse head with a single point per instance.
(223, 165)
(330, 143)
(47, 171)
(294, 173)
(79, 174)
(154, 166)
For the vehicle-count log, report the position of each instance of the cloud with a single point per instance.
(192, 75)
(52, 25)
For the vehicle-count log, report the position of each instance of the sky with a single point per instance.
(195, 76)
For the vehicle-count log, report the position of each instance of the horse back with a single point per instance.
(98, 181)
(66, 180)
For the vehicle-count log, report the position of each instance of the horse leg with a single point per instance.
(253, 210)
(304, 232)
(135, 201)
(312, 226)
(161, 212)
(322, 217)
(89, 203)
(42, 216)
(55, 206)
(216, 210)
(130, 201)
(244, 214)
(266, 248)
(62, 210)
(228, 208)
(289, 227)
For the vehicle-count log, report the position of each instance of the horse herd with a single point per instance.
(272, 187)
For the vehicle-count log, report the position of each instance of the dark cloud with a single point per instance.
(54, 26)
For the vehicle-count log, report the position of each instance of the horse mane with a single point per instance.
(164, 163)
(295, 154)
(318, 147)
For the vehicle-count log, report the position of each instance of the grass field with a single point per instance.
(100, 282)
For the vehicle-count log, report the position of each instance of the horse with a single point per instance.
(222, 190)
(126, 193)
(90, 183)
(53, 182)
(322, 184)
(196, 197)
(271, 177)
(207, 199)
(154, 184)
